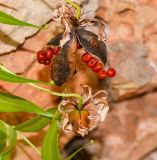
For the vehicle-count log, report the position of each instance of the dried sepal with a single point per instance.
(56, 40)
(63, 66)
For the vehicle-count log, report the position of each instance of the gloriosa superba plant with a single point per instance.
(74, 111)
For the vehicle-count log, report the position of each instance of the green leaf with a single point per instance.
(2, 141)
(50, 150)
(2, 137)
(36, 123)
(9, 76)
(77, 151)
(11, 141)
(11, 103)
(7, 19)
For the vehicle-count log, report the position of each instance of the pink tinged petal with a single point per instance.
(66, 126)
(86, 92)
(91, 128)
(82, 131)
(103, 112)
(66, 34)
(57, 16)
(102, 109)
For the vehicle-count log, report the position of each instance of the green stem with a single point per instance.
(60, 94)
(77, 7)
(29, 143)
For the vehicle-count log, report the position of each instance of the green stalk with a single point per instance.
(77, 7)
(29, 143)
(60, 94)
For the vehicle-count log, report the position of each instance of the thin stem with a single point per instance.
(29, 143)
(60, 94)
(77, 7)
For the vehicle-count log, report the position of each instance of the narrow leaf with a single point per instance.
(11, 141)
(9, 76)
(36, 123)
(50, 150)
(2, 137)
(11, 103)
(7, 19)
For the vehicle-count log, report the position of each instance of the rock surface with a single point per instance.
(131, 35)
(36, 12)
(130, 130)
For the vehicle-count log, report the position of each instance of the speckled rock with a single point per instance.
(37, 12)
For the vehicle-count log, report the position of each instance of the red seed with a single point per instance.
(92, 63)
(86, 57)
(97, 68)
(55, 50)
(47, 62)
(41, 61)
(111, 72)
(102, 74)
(41, 56)
(49, 53)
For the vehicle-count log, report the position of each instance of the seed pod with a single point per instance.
(56, 40)
(64, 64)
(90, 43)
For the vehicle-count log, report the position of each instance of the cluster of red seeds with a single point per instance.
(45, 56)
(97, 67)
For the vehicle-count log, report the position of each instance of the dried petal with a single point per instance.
(66, 126)
(86, 92)
(64, 64)
(101, 103)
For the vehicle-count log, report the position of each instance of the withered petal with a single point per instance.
(82, 131)
(56, 40)
(64, 64)
(91, 44)
(86, 92)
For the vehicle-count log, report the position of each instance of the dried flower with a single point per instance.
(84, 118)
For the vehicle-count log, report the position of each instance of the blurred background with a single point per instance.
(130, 129)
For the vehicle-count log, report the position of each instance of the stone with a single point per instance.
(151, 156)
(129, 131)
(131, 41)
(135, 75)
(35, 12)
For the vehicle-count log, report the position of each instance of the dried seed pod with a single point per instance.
(64, 64)
(90, 43)
(56, 40)
(102, 52)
